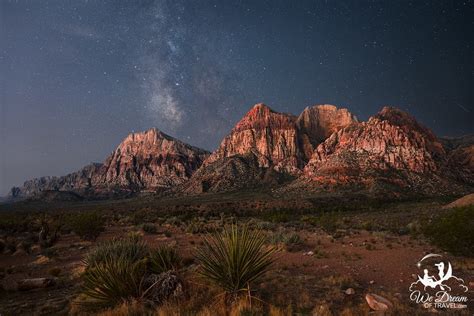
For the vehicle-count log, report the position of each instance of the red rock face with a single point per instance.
(142, 162)
(150, 160)
(390, 141)
(271, 136)
(317, 123)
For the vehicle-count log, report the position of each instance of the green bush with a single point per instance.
(234, 259)
(149, 228)
(115, 272)
(87, 225)
(112, 282)
(454, 231)
(164, 259)
(130, 249)
(329, 222)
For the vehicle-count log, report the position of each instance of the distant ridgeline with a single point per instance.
(322, 149)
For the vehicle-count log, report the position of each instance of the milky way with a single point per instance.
(78, 76)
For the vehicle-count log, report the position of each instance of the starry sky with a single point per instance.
(78, 76)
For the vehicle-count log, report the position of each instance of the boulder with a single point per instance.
(36, 283)
(377, 302)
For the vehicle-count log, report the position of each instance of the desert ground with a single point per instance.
(329, 252)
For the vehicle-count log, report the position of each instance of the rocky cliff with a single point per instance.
(317, 123)
(146, 161)
(271, 136)
(391, 147)
(150, 160)
(323, 148)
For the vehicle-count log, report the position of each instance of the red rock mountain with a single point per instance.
(148, 161)
(391, 146)
(323, 148)
(282, 141)
(317, 123)
(271, 136)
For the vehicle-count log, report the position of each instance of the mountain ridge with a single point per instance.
(322, 147)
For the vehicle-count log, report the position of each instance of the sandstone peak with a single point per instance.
(390, 144)
(402, 119)
(316, 123)
(269, 135)
(148, 160)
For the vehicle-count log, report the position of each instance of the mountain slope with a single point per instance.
(317, 123)
(146, 161)
(391, 148)
(271, 136)
(150, 160)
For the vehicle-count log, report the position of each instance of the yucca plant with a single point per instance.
(130, 249)
(112, 282)
(234, 259)
(163, 259)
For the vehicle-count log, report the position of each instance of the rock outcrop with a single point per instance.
(146, 161)
(325, 147)
(391, 146)
(238, 172)
(317, 123)
(77, 181)
(271, 136)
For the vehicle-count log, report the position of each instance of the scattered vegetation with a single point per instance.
(163, 259)
(130, 249)
(234, 259)
(125, 270)
(149, 228)
(49, 233)
(87, 225)
(111, 282)
(454, 231)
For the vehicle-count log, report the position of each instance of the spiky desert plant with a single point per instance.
(112, 282)
(234, 259)
(131, 249)
(163, 259)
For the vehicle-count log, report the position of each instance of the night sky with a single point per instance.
(78, 76)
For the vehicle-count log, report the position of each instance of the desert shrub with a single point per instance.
(50, 228)
(2, 245)
(287, 239)
(15, 222)
(281, 216)
(293, 238)
(55, 272)
(130, 249)
(454, 231)
(173, 221)
(234, 259)
(329, 222)
(167, 233)
(124, 270)
(163, 259)
(87, 225)
(195, 227)
(111, 282)
(149, 228)
(115, 271)
(266, 225)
